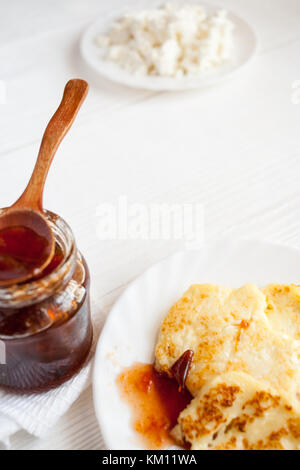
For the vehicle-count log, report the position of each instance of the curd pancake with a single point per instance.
(283, 308)
(228, 330)
(235, 411)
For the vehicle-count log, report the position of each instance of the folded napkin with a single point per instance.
(36, 414)
(7, 428)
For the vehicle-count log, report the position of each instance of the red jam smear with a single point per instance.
(21, 251)
(156, 401)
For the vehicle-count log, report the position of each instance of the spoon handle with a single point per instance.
(73, 97)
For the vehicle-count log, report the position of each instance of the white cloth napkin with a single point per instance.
(7, 428)
(36, 414)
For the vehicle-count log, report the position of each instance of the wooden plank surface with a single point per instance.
(234, 148)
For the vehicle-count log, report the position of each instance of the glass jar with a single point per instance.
(45, 324)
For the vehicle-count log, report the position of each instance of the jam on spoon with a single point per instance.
(21, 249)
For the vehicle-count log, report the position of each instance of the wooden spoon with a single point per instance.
(26, 240)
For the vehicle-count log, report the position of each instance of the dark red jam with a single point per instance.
(21, 251)
(54, 263)
(180, 369)
(46, 343)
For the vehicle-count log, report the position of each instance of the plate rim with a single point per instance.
(229, 241)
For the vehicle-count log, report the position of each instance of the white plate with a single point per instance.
(245, 46)
(129, 334)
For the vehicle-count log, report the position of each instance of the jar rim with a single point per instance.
(33, 291)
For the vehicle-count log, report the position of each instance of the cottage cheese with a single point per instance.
(170, 41)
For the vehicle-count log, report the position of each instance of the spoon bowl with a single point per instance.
(26, 245)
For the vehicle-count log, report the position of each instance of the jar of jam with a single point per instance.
(45, 323)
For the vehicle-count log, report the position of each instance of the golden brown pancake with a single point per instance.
(235, 411)
(228, 330)
(283, 308)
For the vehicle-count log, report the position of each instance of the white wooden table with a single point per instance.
(234, 148)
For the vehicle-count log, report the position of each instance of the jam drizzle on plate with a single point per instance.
(155, 399)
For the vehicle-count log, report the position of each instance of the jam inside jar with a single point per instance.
(45, 324)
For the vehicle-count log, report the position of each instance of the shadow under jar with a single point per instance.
(45, 325)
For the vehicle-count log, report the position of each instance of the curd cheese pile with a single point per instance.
(171, 41)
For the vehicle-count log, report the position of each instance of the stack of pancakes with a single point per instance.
(245, 374)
